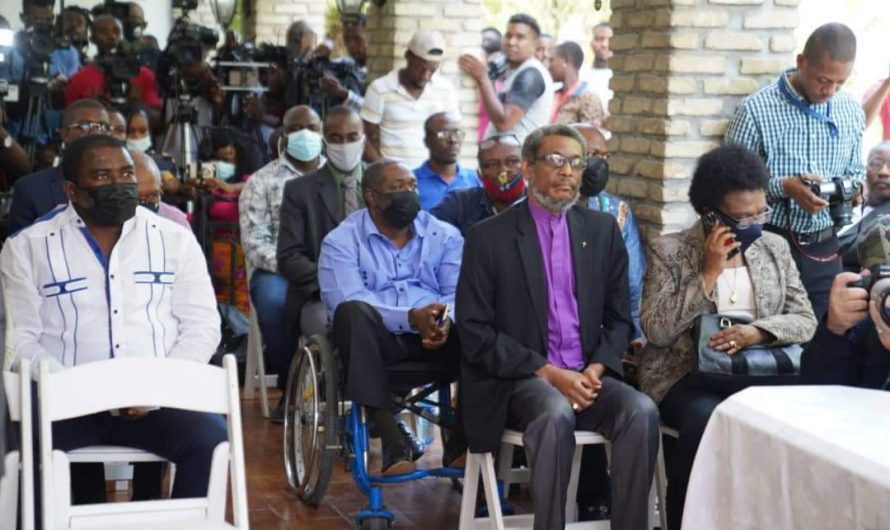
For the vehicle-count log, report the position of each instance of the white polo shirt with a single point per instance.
(65, 302)
(400, 116)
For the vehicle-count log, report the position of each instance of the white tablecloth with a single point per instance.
(795, 458)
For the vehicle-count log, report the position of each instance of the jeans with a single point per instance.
(268, 292)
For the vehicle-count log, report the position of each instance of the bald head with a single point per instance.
(596, 142)
(148, 179)
(106, 33)
(299, 118)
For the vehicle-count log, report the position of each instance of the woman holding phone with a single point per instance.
(725, 264)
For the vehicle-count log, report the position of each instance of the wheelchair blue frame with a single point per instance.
(355, 433)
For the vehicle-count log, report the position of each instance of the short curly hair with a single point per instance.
(722, 171)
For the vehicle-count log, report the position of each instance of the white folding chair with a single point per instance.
(111, 455)
(255, 369)
(135, 382)
(661, 475)
(17, 485)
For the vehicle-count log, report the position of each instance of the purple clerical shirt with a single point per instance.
(563, 324)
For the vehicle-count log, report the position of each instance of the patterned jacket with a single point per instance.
(674, 295)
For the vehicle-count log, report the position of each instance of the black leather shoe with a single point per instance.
(417, 447)
(454, 454)
(397, 460)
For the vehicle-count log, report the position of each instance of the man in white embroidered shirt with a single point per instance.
(101, 278)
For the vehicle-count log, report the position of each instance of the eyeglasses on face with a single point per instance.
(746, 222)
(492, 164)
(450, 134)
(557, 160)
(877, 163)
(90, 126)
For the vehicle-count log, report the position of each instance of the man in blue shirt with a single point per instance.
(387, 276)
(63, 63)
(807, 131)
(441, 173)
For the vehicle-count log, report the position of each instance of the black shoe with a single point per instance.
(417, 448)
(277, 414)
(397, 460)
(593, 511)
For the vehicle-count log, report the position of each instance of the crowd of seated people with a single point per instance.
(524, 280)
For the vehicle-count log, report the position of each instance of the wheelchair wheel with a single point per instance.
(311, 422)
(375, 523)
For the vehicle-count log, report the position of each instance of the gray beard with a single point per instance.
(554, 205)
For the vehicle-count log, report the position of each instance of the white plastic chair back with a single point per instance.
(142, 382)
(17, 486)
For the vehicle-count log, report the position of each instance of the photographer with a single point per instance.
(852, 345)
(75, 21)
(808, 132)
(92, 82)
(356, 42)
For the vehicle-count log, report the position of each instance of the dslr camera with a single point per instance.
(119, 67)
(839, 193)
(878, 286)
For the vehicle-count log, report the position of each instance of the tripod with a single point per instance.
(35, 117)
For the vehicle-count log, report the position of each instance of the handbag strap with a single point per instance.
(784, 365)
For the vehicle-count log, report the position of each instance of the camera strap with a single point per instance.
(795, 240)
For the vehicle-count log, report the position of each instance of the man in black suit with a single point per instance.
(543, 313)
(37, 194)
(877, 204)
(312, 206)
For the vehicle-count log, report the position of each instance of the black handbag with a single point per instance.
(753, 366)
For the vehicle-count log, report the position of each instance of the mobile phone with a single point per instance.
(710, 220)
(440, 320)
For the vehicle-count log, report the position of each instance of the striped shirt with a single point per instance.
(400, 116)
(793, 142)
(69, 304)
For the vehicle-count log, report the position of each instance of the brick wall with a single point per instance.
(274, 16)
(680, 68)
(460, 22)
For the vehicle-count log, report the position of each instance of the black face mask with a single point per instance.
(111, 204)
(595, 176)
(402, 209)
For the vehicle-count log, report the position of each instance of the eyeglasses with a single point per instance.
(556, 161)
(506, 139)
(90, 126)
(747, 222)
(495, 163)
(450, 134)
(402, 186)
(599, 154)
(877, 163)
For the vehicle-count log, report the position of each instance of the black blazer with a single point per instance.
(310, 208)
(502, 307)
(34, 196)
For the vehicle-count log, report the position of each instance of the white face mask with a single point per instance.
(139, 144)
(345, 157)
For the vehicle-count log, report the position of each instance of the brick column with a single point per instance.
(680, 67)
(274, 16)
(459, 21)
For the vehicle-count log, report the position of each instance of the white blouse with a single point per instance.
(735, 293)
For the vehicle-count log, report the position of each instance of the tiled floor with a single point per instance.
(432, 504)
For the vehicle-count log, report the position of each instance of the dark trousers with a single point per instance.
(185, 438)
(687, 410)
(626, 417)
(816, 276)
(370, 354)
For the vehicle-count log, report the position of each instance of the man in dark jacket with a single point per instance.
(543, 314)
(852, 344)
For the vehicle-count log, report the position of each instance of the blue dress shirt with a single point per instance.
(358, 263)
(432, 188)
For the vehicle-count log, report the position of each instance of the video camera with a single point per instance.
(185, 46)
(119, 67)
(36, 44)
(877, 283)
(839, 193)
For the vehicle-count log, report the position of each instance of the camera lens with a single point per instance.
(880, 294)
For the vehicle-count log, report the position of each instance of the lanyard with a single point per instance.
(806, 109)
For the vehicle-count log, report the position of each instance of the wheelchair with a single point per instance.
(321, 429)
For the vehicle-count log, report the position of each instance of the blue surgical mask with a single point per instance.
(139, 144)
(304, 145)
(745, 236)
(224, 170)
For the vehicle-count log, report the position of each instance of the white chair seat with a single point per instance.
(581, 438)
(112, 453)
(171, 525)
